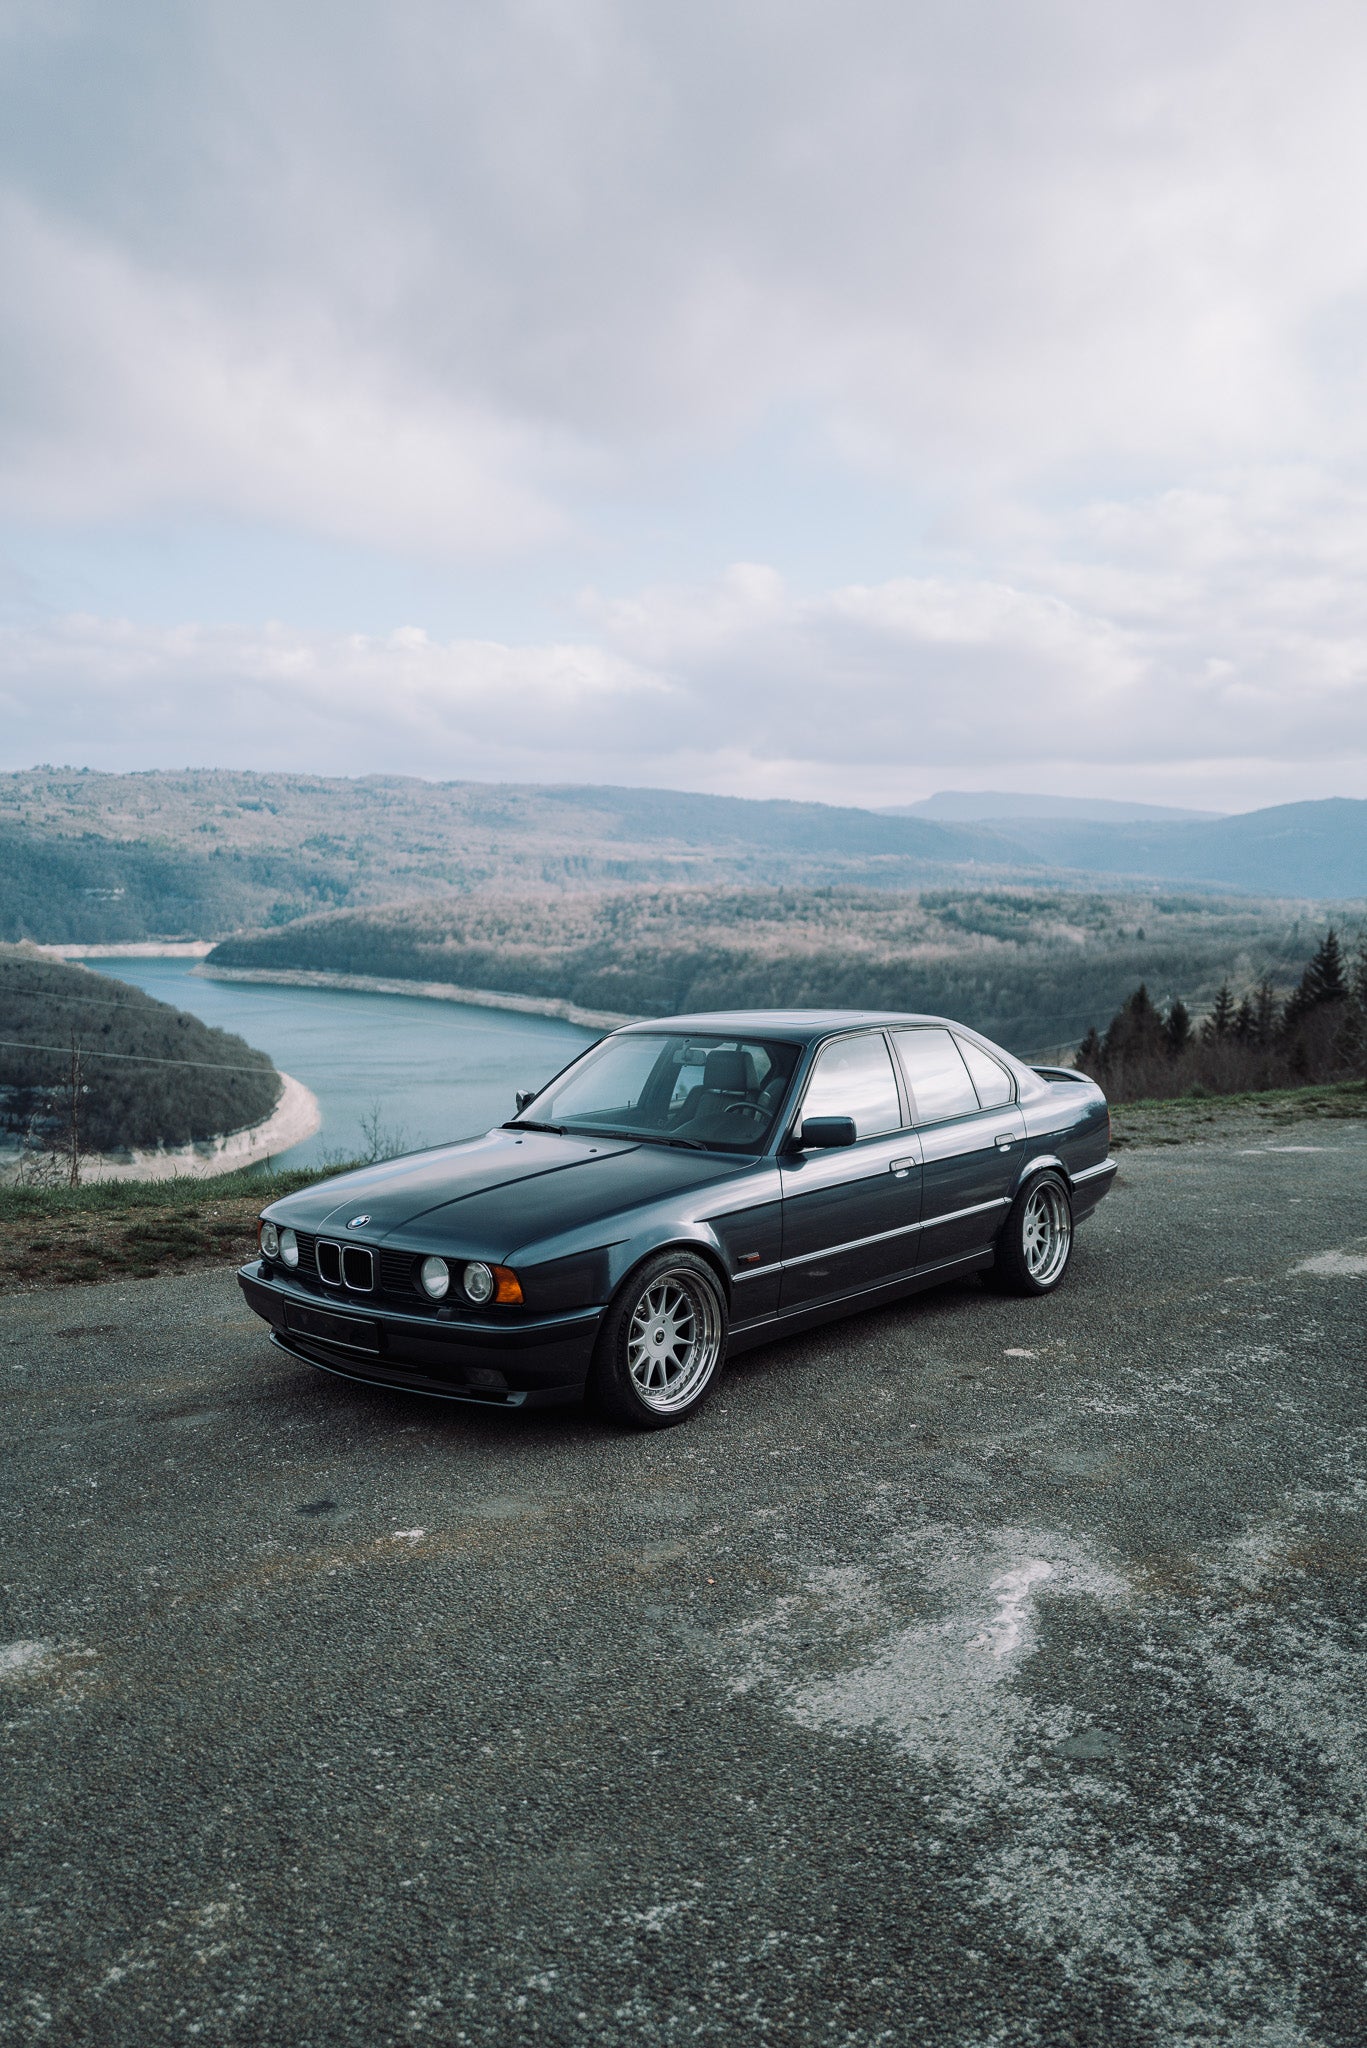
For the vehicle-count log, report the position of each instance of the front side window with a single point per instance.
(717, 1092)
(854, 1077)
(939, 1080)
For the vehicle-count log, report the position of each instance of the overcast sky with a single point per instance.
(845, 401)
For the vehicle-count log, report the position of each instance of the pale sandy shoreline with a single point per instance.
(142, 949)
(296, 1116)
(434, 991)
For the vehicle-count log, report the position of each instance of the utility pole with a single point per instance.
(74, 1124)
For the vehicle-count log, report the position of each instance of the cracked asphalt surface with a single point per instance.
(973, 1672)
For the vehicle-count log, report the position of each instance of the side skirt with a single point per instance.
(771, 1329)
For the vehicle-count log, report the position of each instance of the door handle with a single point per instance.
(1005, 1140)
(902, 1167)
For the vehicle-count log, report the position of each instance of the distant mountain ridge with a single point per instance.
(1316, 849)
(975, 806)
(95, 858)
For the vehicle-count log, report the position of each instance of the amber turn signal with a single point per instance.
(507, 1286)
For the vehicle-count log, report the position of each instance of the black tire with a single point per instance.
(1036, 1240)
(662, 1344)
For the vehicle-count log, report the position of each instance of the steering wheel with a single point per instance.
(743, 1109)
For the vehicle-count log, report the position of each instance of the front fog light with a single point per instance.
(289, 1248)
(478, 1282)
(270, 1241)
(435, 1276)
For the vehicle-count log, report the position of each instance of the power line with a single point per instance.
(141, 1059)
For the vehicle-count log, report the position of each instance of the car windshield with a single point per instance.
(719, 1093)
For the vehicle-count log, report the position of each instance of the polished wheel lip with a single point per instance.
(1046, 1233)
(673, 1340)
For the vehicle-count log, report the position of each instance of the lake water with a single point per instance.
(435, 1070)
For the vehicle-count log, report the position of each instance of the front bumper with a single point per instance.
(531, 1362)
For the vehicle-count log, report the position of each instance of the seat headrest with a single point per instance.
(729, 1073)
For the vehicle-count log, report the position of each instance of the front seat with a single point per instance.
(728, 1077)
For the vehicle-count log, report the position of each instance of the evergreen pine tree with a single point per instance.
(1245, 1023)
(1177, 1028)
(1265, 1018)
(1090, 1057)
(1322, 982)
(1220, 1023)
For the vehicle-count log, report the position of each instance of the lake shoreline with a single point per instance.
(432, 991)
(295, 1117)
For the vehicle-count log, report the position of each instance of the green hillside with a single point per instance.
(91, 858)
(150, 1074)
(1032, 968)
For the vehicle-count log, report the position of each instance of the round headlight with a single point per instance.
(435, 1276)
(270, 1240)
(289, 1248)
(478, 1281)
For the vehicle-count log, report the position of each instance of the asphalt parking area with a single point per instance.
(974, 1672)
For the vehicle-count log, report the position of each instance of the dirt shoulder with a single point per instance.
(54, 1237)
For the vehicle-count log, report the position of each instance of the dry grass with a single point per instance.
(1191, 1119)
(131, 1230)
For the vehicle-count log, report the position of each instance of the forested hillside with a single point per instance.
(1031, 968)
(148, 1074)
(90, 858)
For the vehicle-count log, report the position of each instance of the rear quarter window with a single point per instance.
(938, 1079)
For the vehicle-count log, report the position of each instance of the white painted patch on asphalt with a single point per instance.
(1014, 1353)
(940, 1687)
(1006, 1633)
(957, 1688)
(1335, 1265)
(408, 1535)
(23, 1660)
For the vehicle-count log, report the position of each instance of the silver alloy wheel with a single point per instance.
(673, 1339)
(1046, 1232)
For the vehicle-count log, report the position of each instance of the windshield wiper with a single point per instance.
(637, 1137)
(522, 1123)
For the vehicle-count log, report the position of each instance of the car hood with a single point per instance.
(518, 1185)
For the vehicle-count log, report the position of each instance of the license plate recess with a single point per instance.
(348, 1331)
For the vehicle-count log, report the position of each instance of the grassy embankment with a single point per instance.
(129, 1230)
(55, 1237)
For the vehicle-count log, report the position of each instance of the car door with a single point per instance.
(972, 1139)
(850, 1214)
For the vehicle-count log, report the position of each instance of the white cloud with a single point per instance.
(861, 693)
(1076, 296)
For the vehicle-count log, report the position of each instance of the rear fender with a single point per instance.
(1041, 1163)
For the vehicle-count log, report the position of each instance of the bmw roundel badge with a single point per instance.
(357, 1221)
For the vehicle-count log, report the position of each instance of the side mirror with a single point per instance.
(824, 1133)
(523, 1097)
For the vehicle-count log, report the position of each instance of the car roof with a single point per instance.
(803, 1025)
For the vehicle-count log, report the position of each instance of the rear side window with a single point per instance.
(939, 1081)
(992, 1082)
(854, 1077)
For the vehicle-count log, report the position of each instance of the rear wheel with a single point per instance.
(662, 1343)
(1036, 1240)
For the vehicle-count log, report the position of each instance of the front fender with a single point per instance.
(625, 1257)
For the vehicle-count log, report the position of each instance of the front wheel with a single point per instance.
(662, 1343)
(1036, 1239)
